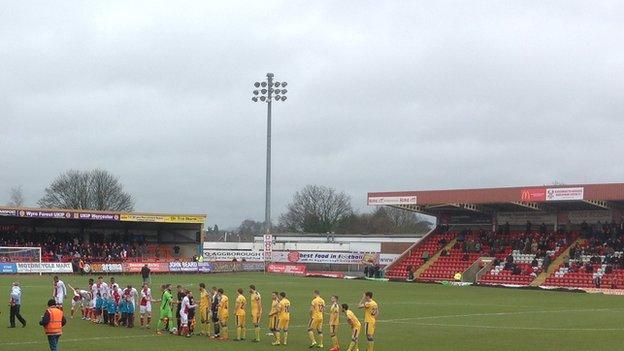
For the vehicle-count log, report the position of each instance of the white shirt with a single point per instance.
(59, 289)
(102, 290)
(186, 305)
(146, 297)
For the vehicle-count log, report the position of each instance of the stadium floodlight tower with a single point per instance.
(267, 91)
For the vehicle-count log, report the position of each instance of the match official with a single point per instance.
(52, 322)
(15, 302)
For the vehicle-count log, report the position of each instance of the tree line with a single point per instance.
(321, 209)
(313, 209)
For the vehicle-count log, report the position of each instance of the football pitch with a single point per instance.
(412, 316)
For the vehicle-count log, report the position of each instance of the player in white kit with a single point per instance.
(184, 314)
(78, 301)
(59, 292)
(146, 305)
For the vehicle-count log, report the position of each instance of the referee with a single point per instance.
(15, 302)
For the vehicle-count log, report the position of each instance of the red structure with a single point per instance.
(561, 235)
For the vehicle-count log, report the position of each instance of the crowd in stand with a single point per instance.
(603, 246)
(57, 247)
(536, 241)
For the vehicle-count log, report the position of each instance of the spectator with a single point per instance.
(425, 256)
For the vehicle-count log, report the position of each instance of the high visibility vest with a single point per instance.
(55, 326)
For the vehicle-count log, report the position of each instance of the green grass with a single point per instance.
(413, 317)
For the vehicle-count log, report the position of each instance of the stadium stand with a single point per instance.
(419, 254)
(65, 247)
(578, 241)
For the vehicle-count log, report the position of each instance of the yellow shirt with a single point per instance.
(204, 299)
(334, 314)
(353, 321)
(274, 308)
(223, 305)
(256, 302)
(241, 301)
(284, 309)
(370, 311)
(318, 305)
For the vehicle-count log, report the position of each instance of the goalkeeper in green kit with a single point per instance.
(166, 313)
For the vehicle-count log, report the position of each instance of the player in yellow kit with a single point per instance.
(334, 321)
(204, 309)
(256, 310)
(356, 326)
(371, 313)
(283, 320)
(317, 307)
(241, 304)
(274, 313)
(224, 314)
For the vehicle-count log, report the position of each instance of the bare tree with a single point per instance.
(16, 197)
(94, 190)
(316, 209)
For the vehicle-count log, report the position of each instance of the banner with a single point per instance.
(325, 257)
(156, 267)
(183, 266)
(204, 267)
(45, 214)
(45, 267)
(105, 268)
(282, 268)
(8, 268)
(565, 194)
(96, 216)
(232, 266)
(8, 213)
(552, 194)
(130, 217)
(268, 247)
(230, 255)
(392, 200)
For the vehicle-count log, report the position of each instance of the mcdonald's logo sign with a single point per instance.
(533, 195)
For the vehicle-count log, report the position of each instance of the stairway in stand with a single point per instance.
(540, 279)
(434, 258)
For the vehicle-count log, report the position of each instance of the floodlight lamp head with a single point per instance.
(264, 84)
(254, 99)
(256, 84)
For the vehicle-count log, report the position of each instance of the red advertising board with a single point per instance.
(156, 267)
(532, 195)
(287, 268)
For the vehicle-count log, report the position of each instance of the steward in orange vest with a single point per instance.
(52, 322)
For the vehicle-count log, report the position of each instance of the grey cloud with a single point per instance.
(382, 96)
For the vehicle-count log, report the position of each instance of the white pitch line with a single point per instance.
(508, 327)
(401, 321)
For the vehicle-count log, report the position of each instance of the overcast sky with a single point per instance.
(383, 95)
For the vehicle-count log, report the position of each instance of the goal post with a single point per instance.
(11, 254)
